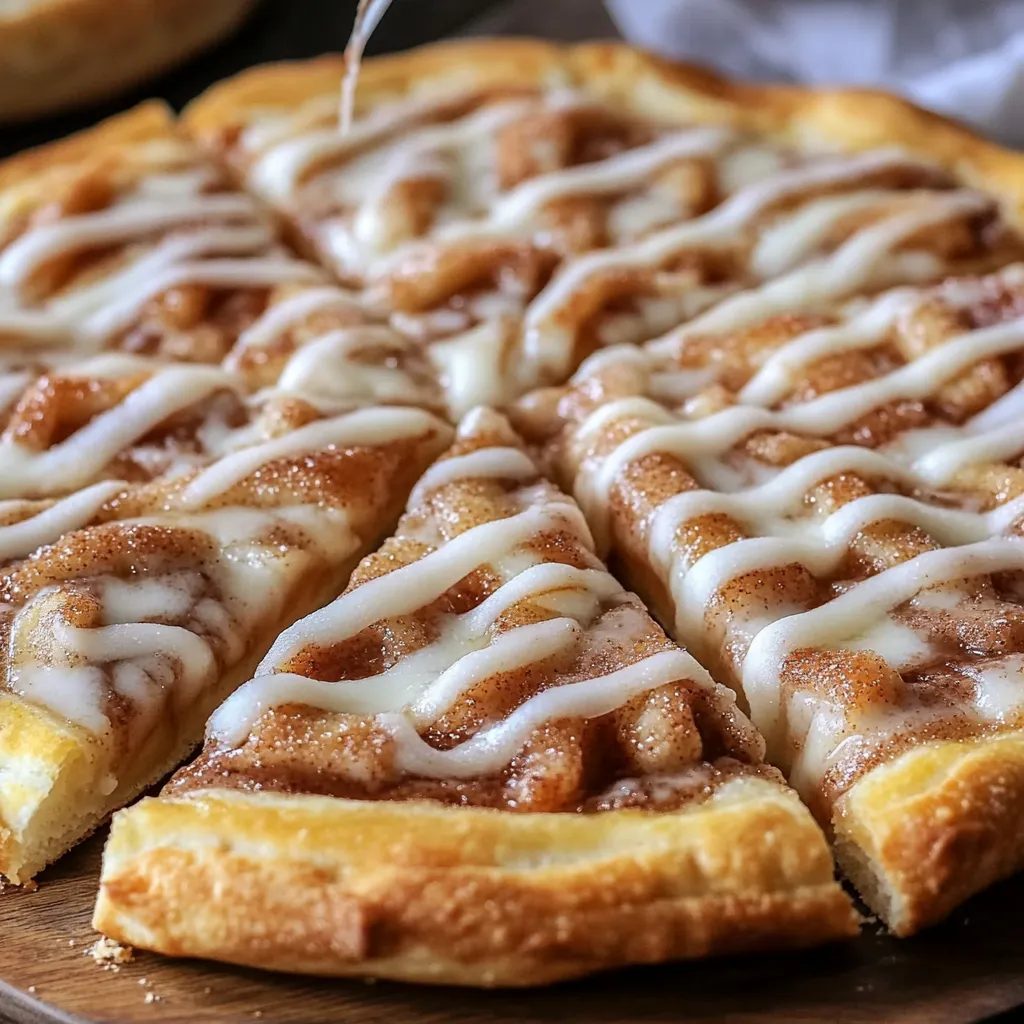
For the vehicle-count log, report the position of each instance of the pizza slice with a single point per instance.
(483, 764)
(514, 205)
(151, 556)
(828, 512)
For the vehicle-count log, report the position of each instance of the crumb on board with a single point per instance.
(31, 990)
(29, 886)
(151, 997)
(110, 954)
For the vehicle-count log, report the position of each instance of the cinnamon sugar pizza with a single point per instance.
(483, 764)
(769, 339)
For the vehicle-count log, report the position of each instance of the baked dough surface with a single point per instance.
(447, 895)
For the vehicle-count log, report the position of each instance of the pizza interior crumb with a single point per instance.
(110, 954)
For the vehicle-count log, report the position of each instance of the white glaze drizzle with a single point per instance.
(484, 463)
(368, 16)
(722, 225)
(117, 225)
(394, 595)
(214, 273)
(284, 315)
(782, 369)
(377, 426)
(493, 747)
(75, 461)
(547, 584)
(625, 170)
(23, 537)
(697, 440)
(189, 224)
(324, 371)
(849, 614)
(423, 686)
(149, 663)
(821, 546)
(854, 265)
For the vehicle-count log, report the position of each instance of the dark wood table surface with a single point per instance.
(963, 971)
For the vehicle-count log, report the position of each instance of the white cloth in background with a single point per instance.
(963, 58)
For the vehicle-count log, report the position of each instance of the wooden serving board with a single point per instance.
(965, 970)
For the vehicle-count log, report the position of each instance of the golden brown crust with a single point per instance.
(56, 54)
(153, 119)
(422, 892)
(476, 65)
(940, 823)
(56, 779)
(851, 119)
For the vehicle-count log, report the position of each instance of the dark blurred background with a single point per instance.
(277, 30)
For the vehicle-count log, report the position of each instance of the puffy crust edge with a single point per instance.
(52, 774)
(64, 53)
(423, 892)
(151, 120)
(921, 834)
(852, 119)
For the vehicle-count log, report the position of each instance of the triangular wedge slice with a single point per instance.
(129, 610)
(829, 513)
(484, 764)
